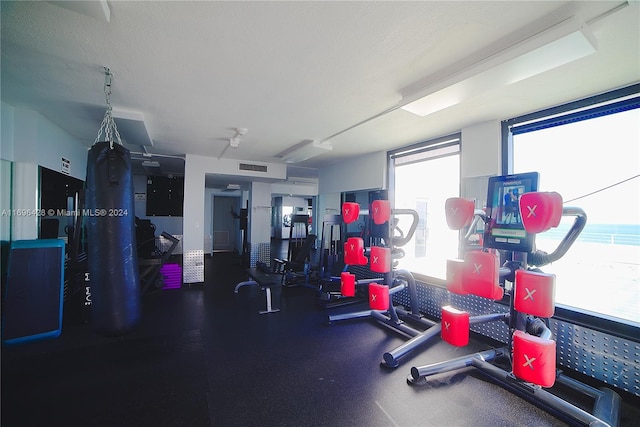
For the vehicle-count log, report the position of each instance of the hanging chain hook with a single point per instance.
(108, 125)
(108, 76)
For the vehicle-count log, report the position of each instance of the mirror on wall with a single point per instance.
(364, 226)
(6, 177)
(59, 198)
(284, 208)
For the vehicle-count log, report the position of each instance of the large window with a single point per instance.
(422, 177)
(590, 154)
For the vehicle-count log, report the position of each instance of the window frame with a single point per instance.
(423, 147)
(611, 102)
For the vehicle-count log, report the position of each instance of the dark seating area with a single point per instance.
(203, 356)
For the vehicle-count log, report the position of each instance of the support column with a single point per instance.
(260, 223)
(24, 215)
(193, 223)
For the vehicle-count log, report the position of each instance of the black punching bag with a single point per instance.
(110, 221)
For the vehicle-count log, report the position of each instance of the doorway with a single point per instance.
(226, 224)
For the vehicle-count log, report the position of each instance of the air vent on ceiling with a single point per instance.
(151, 164)
(253, 168)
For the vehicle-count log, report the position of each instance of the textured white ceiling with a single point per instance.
(290, 71)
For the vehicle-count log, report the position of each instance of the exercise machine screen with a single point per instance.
(504, 228)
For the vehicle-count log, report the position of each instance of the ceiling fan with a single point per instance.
(234, 142)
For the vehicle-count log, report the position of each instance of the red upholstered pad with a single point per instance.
(455, 268)
(535, 293)
(354, 251)
(540, 211)
(380, 259)
(347, 284)
(378, 297)
(459, 212)
(481, 275)
(380, 211)
(455, 326)
(534, 359)
(350, 212)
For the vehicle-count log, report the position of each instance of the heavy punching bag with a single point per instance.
(110, 221)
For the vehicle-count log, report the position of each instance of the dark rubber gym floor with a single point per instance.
(203, 356)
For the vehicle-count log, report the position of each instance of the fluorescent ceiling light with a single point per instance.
(558, 45)
(306, 150)
(150, 164)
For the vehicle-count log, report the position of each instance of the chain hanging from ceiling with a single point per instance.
(108, 127)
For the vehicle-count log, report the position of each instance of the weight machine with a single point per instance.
(296, 269)
(381, 260)
(531, 350)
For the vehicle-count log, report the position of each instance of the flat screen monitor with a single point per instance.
(504, 229)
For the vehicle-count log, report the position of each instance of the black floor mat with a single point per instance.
(150, 381)
(202, 356)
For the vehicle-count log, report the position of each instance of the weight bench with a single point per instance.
(265, 281)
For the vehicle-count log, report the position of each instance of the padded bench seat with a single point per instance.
(265, 281)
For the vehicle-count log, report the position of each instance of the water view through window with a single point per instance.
(594, 164)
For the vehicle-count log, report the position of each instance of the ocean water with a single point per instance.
(616, 234)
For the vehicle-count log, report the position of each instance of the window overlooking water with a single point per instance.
(591, 156)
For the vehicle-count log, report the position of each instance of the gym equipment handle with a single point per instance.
(540, 258)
